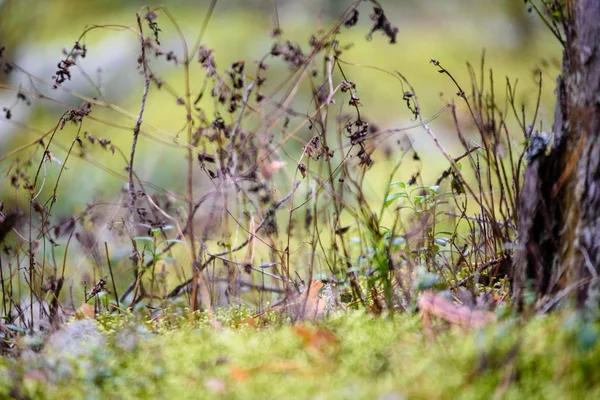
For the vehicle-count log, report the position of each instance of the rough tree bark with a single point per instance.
(559, 215)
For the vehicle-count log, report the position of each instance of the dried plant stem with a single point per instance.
(138, 122)
(433, 137)
(112, 278)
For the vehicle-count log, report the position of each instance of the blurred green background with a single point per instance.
(453, 32)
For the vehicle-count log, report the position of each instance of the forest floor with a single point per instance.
(347, 355)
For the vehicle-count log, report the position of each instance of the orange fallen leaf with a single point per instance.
(251, 322)
(85, 311)
(306, 305)
(318, 339)
(309, 305)
(239, 374)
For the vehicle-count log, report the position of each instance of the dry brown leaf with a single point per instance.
(306, 305)
(309, 305)
(85, 311)
(317, 339)
(313, 148)
(268, 169)
(239, 374)
(251, 322)
(431, 303)
(303, 169)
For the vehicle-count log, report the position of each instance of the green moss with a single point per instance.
(547, 357)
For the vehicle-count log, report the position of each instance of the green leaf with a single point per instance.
(398, 241)
(426, 280)
(393, 197)
(442, 241)
(399, 184)
(15, 328)
(144, 238)
(156, 231)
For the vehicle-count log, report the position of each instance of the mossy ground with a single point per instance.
(347, 356)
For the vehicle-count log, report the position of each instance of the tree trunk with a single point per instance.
(559, 215)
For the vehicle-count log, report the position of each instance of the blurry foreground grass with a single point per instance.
(347, 356)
